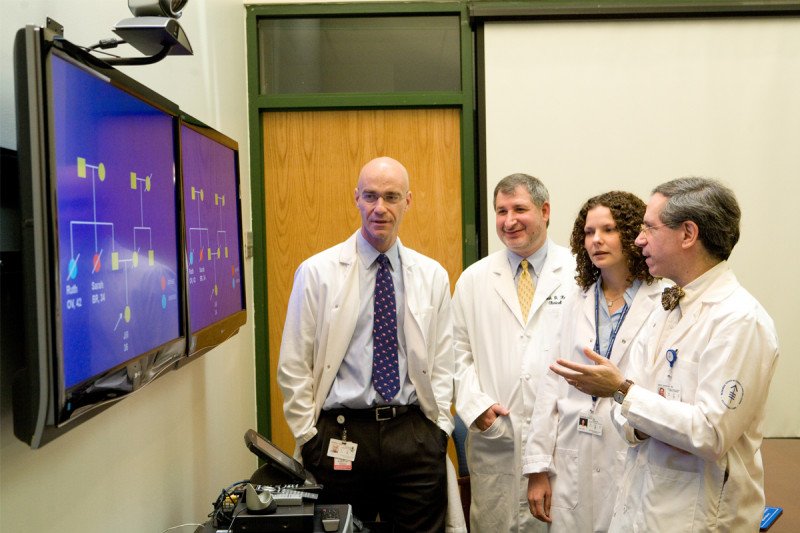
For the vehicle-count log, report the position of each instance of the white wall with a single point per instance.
(594, 106)
(159, 458)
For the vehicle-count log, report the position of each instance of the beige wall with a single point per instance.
(159, 458)
(594, 106)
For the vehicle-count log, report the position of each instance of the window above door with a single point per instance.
(359, 54)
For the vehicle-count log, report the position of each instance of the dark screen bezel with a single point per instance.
(204, 339)
(41, 413)
(275, 456)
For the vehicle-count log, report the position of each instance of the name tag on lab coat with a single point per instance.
(670, 392)
(588, 423)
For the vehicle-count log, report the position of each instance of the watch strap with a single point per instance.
(622, 391)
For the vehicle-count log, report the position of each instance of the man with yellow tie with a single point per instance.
(507, 310)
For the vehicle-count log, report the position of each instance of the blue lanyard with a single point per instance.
(614, 328)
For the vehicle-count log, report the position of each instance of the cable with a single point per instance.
(242, 482)
(148, 60)
(71, 49)
(225, 505)
(182, 525)
(243, 509)
(105, 44)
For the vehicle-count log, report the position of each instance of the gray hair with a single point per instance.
(534, 186)
(709, 204)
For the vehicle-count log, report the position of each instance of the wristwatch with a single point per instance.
(619, 395)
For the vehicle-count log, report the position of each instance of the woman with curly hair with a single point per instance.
(574, 457)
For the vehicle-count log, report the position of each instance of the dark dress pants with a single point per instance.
(399, 471)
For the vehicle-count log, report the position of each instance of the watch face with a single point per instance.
(619, 397)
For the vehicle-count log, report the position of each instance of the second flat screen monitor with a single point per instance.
(212, 228)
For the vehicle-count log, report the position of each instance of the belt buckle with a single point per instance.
(378, 410)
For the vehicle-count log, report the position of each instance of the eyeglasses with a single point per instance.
(646, 229)
(371, 197)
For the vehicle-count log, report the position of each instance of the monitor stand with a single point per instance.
(267, 474)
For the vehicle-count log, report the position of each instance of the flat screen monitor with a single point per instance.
(287, 466)
(213, 229)
(102, 251)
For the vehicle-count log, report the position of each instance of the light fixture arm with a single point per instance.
(146, 60)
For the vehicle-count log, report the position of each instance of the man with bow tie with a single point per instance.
(691, 405)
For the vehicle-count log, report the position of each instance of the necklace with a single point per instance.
(611, 302)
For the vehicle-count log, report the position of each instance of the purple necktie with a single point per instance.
(385, 376)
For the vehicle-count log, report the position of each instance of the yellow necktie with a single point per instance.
(525, 289)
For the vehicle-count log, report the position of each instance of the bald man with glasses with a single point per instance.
(366, 365)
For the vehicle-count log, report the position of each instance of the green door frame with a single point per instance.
(259, 103)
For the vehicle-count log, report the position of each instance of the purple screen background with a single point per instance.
(117, 223)
(212, 229)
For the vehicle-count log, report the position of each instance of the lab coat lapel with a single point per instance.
(503, 283)
(548, 282)
(646, 297)
(587, 305)
(718, 291)
(413, 329)
(342, 319)
(412, 290)
(656, 325)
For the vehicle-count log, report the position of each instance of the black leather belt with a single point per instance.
(378, 414)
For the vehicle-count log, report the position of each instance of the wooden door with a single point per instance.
(311, 165)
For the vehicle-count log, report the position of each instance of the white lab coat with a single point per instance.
(584, 469)
(320, 321)
(500, 359)
(727, 350)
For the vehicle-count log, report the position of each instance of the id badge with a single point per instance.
(588, 423)
(342, 464)
(670, 392)
(344, 450)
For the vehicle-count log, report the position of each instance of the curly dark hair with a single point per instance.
(628, 212)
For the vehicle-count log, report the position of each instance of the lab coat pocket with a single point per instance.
(565, 483)
(492, 504)
(492, 451)
(614, 474)
(668, 513)
(685, 377)
(423, 318)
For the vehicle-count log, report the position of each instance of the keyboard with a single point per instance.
(287, 496)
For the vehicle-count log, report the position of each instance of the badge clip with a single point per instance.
(672, 358)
